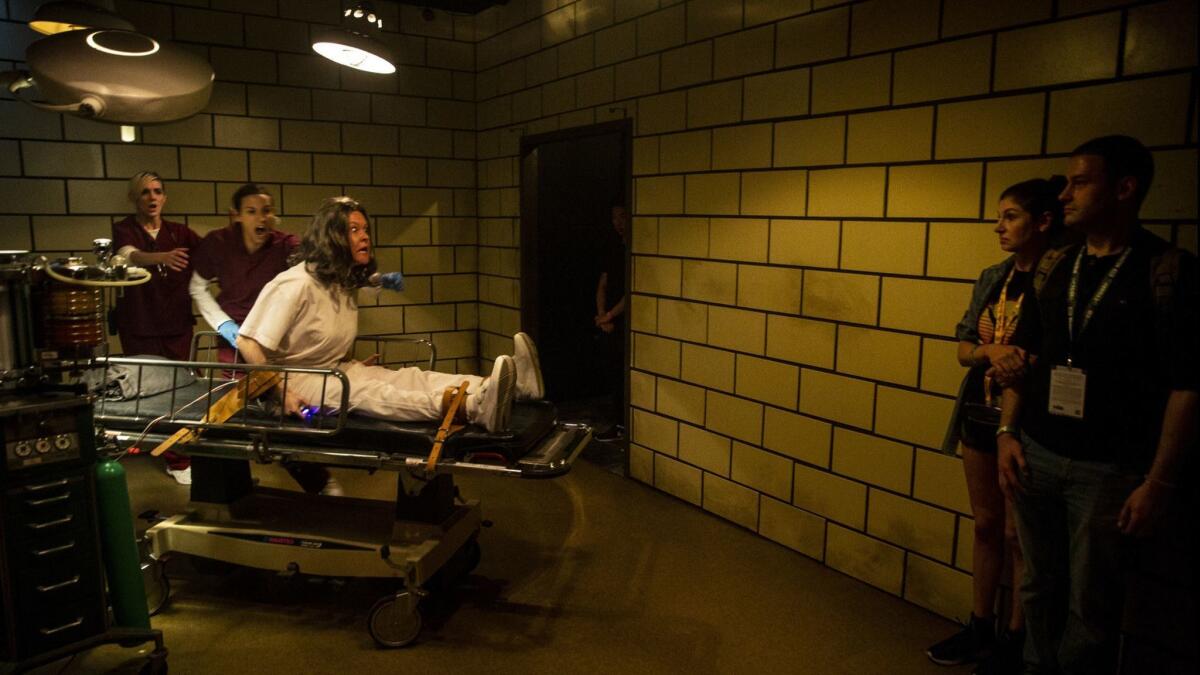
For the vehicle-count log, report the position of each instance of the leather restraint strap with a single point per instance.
(452, 403)
(258, 383)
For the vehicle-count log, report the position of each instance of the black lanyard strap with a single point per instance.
(1073, 295)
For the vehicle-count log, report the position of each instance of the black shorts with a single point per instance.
(978, 436)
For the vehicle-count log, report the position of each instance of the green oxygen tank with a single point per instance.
(121, 563)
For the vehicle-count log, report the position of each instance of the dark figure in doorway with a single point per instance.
(611, 302)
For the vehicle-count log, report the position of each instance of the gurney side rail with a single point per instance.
(218, 387)
(553, 457)
(381, 343)
(208, 341)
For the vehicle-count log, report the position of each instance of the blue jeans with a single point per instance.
(1073, 589)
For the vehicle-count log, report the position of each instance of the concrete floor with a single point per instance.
(589, 573)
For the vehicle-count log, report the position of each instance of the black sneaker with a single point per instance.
(973, 643)
(1007, 656)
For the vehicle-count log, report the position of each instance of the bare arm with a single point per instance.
(1147, 504)
(1010, 455)
(601, 294)
(617, 309)
(1178, 433)
(966, 353)
(1009, 360)
(176, 258)
(253, 353)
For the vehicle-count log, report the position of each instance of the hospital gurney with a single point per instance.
(427, 530)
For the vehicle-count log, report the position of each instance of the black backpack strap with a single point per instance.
(1164, 276)
(1045, 267)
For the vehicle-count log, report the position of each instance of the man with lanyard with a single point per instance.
(1092, 437)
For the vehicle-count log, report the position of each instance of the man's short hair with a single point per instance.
(245, 191)
(141, 178)
(1124, 156)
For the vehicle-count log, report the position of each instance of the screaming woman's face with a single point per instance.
(358, 234)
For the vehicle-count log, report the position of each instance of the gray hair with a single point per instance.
(325, 247)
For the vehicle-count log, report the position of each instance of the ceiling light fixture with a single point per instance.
(67, 15)
(353, 44)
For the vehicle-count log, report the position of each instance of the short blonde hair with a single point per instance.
(140, 179)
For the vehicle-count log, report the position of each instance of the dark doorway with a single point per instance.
(570, 181)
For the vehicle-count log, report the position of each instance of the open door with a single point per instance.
(570, 181)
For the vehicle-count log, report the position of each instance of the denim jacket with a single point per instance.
(968, 331)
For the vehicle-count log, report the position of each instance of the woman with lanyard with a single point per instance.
(1029, 217)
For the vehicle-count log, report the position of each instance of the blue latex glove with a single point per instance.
(229, 331)
(393, 281)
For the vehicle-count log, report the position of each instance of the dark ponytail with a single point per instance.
(1038, 196)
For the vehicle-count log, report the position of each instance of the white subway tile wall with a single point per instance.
(824, 175)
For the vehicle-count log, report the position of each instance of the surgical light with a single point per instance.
(59, 17)
(352, 45)
(117, 76)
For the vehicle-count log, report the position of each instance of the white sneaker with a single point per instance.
(333, 488)
(181, 476)
(530, 386)
(491, 408)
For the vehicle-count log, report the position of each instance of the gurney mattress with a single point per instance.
(531, 420)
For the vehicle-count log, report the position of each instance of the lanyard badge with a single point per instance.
(1068, 384)
(1001, 326)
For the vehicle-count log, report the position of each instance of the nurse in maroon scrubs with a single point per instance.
(156, 317)
(241, 258)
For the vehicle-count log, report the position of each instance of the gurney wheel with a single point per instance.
(158, 586)
(393, 621)
(474, 555)
(155, 665)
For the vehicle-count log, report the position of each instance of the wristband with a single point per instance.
(1007, 429)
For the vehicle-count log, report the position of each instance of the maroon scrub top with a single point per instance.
(161, 306)
(222, 256)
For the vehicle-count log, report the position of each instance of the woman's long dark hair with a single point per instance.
(1039, 196)
(325, 248)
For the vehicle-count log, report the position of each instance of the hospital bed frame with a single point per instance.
(427, 533)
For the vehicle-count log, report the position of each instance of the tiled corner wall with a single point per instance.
(282, 116)
(815, 185)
